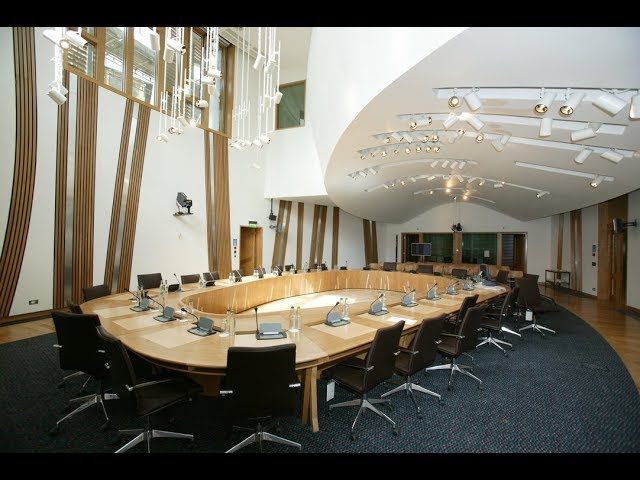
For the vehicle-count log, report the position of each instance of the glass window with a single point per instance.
(290, 110)
(89, 30)
(114, 57)
(82, 59)
(479, 248)
(216, 104)
(441, 247)
(144, 66)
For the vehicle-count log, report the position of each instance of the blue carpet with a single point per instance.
(568, 393)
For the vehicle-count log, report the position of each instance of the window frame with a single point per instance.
(304, 106)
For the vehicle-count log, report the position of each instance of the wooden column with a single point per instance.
(560, 240)
(374, 242)
(576, 249)
(367, 241)
(336, 231)
(299, 236)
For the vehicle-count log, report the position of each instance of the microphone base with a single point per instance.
(338, 323)
(162, 319)
(379, 313)
(273, 336)
(410, 304)
(136, 308)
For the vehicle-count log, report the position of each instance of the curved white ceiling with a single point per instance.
(591, 58)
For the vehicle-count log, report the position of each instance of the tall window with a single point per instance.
(216, 104)
(144, 66)
(83, 59)
(441, 247)
(290, 111)
(479, 248)
(114, 57)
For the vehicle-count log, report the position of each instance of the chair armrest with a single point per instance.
(548, 299)
(294, 385)
(438, 342)
(55, 345)
(451, 335)
(147, 384)
(406, 350)
(357, 367)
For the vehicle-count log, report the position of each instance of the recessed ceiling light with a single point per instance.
(479, 138)
(385, 186)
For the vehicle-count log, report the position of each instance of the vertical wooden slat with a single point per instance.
(560, 234)
(604, 263)
(282, 256)
(24, 172)
(60, 200)
(321, 232)
(221, 203)
(457, 247)
(499, 249)
(275, 257)
(336, 231)
(133, 198)
(209, 206)
(314, 236)
(229, 92)
(575, 220)
(366, 229)
(300, 231)
(374, 242)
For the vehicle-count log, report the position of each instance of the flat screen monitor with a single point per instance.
(421, 249)
(618, 225)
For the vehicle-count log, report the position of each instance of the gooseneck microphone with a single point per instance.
(334, 317)
(187, 311)
(179, 282)
(255, 309)
(374, 301)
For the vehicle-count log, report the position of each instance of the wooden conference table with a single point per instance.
(318, 346)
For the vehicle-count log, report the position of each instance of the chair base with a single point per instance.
(145, 435)
(410, 387)
(494, 341)
(260, 436)
(365, 404)
(536, 328)
(508, 330)
(89, 400)
(454, 367)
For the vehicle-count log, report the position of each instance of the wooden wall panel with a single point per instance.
(221, 204)
(300, 232)
(321, 230)
(366, 230)
(133, 198)
(84, 187)
(374, 242)
(117, 193)
(278, 238)
(314, 236)
(336, 231)
(282, 257)
(209, 203)
(24, 173)
(604, 264)
(60, 210)
(457, 247)
(560, 240)
(575, 221)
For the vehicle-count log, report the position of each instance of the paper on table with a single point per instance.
(408, 321)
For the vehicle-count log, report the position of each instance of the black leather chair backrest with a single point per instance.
(459, 272)
(469, 329)
(381, 356)
(150, 280)
(259, 378)
(208, 276)
(289, 268)
(424, 343)
(502, 277)
(467, 303)
(193, 278)
(529, 295)
(80, 343)
(531, 275)
(74, 307)
(97, 291)
(389, 266)
(239, 270)
(425, 269)
(509, 304)
(121, 371)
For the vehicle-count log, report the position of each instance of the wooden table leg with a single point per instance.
(305, 397)
(313, 406)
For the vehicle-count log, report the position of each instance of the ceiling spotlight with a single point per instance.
(448, 190)
(481, 182)
(451, 120)
(462, 164)
(430, 192)
(435, 138)
(612, 156)
(362, 157)
(423, 121)
(402, 182)
(546, 99)
(454, 164)
(387, 139)
(464, 197)
(256, 166)
(418, 148)
(475, 122)
(459, 178)
(434, 164)
(384, 153)
(372, 170)
(407, 150)
(499, 144)
(76, 38)
(597, 180)
(169, 55)
(634, 111)
(201, 103)
(471, 180)
(545, 127)
(473, 101)
(265, 139)
(183, 121)
(175, 45)
(582, 156)
(396, 151)
(479, 138)
(56, 37)
(413, 125)
(257, 142)
(609, 103)
(56, 96)
(430, 177)
(445, 163)
(277, 97)
(571, 103)
(362, 173)
(397, 136)
(407, 137)
(541, 194)
(385, 186)
(372, 153)
(427, 149)
(454, 100)
(583, 134)
(436, 149)
(162, 138)
(393, 184)
(498, 185)
(413, 179)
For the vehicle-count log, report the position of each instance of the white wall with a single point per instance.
(566, 242)
(351, 241)
(474, 218)
(7, 126)
(36, 276)
(633, 251)
(111, 107)
(589, 239)
(293, 74)
(166, 243)
(347, 67)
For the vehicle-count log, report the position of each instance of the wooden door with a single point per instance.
(250, 249)
(520, 252)
(618, 261)
(407, 240)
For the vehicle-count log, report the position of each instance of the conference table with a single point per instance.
(318, 346)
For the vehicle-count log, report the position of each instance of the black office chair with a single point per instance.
(484, 270)
(74, 307)
(453, 320)
(503, 277)
(389, 266)
(261, 382)
(97, 291)
(419, 354)
(209, 276)
(427, 269)
(530, 298)
(454, 345)
(143, 397)
(80, 349)
(493, 322)
(193, 278)
(459, 272)
(150, 280)
(289, 268)
(361, 376)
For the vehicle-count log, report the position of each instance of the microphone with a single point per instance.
(179, 283)
(451, 288)
(143, 302)
(376, 306)
(255, 309)
(407, 300)
(187, 311)
(432, 293)
(268, 331)
(334, 317)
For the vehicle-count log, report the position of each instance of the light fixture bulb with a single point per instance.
(479, 138)
(454, 101)
(413, 125)
(407, 150)
(430, 192)
(571, 104)
(473, 101)
(387, 139)
(545, 102)
(436, 149)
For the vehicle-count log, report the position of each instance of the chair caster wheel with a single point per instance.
(82, 393)
(420, 416)
(67, 409)
(450, 387)
(395, 431)
(54, 431)
(353, 437)
(480, 387)
(191, 445)
(61, 384)
(440, 402)
(105, 426)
